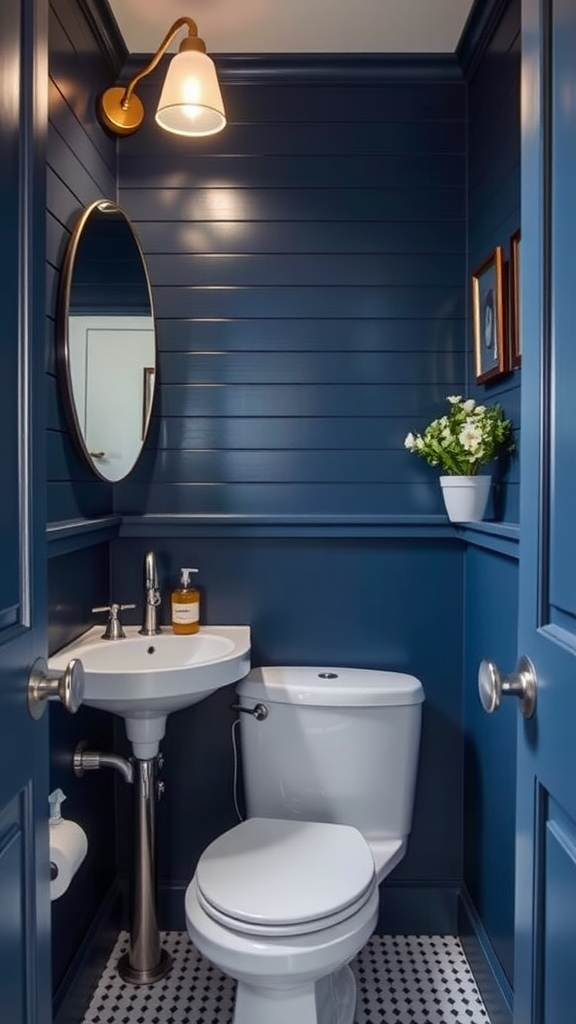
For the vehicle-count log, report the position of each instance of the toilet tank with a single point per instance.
(337, 745)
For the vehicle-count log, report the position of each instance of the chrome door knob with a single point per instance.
(44, 683)
(493, 685)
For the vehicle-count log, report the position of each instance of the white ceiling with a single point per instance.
(298, 26)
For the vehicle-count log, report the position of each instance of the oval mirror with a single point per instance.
(106, 344)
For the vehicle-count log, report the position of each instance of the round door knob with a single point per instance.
(44, 683)
(493, 685)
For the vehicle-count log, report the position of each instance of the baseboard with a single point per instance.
(171, 916)
(71, 999)
(405, 909)
(492, 982)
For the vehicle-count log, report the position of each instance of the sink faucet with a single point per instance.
(114, 629)
(152, 597)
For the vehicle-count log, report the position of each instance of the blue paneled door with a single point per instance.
(25, 992)
(545, 951)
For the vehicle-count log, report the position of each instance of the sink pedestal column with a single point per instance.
(145, 961)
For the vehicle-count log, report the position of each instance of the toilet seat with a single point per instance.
(280, 877)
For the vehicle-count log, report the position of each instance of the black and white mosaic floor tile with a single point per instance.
(413, 979)
(401, 980)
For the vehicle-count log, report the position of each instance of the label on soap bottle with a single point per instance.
(184, 613)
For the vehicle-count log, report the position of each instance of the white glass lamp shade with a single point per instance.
(190, 102)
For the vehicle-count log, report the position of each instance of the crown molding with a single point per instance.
(303, 68)
(477, 33)
(338, 67)
(99, 16)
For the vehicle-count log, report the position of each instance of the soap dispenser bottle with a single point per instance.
(185, 606)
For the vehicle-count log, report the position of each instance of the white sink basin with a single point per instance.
(144, 678)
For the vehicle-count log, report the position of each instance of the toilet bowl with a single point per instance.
(285, 900)
(282, 907)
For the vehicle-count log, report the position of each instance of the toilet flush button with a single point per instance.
(327, 675)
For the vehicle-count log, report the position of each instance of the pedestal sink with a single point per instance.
(144, 679)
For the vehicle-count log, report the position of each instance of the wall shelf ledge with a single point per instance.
(73, 534)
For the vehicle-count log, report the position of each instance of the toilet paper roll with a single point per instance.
(68, 847)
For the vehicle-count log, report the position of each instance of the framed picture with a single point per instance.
(515, 335)
(489, 317)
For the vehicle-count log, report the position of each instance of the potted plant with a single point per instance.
(460, 443)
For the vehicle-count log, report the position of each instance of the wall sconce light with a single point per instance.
(190, 102)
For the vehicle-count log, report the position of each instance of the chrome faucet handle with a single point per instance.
(114, 629)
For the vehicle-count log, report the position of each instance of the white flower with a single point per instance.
(419, 443)
(454, 399)
(469, 405)
(409, 441)
(470, 436)
(479, 410)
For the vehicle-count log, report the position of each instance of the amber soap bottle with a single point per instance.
(185, 606)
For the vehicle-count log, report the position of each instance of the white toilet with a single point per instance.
(286, 899)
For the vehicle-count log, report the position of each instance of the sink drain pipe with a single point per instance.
(146, 960)
(90, 760)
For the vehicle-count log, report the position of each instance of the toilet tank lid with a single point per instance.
(323, 685)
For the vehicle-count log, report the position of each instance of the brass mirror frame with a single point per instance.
(63, 340)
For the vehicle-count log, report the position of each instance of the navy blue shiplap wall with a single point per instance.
(491, 614)
(494, 201)
(321, 601)
(308, 275)
(491, 577)
(90, 800)
(81, 167)
(308, 270)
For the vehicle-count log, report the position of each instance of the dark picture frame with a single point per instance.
(515, 334)
(491, 353)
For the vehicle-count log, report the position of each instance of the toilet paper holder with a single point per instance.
(68, 846)
(55, 802)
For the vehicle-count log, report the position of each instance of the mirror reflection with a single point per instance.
(107, 341)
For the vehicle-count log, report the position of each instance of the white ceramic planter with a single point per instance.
(465, 497)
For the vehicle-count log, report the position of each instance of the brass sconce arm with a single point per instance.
(121, 110)
(192, 38)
